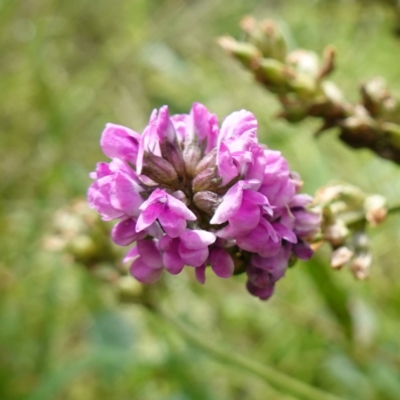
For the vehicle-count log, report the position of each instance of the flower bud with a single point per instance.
(266, 36)
(159, 170)
(207, 180)
(360, 265)
(173, 155)
(191, 156)
(340, 257)
(274, 73)
(209, 160)
(376, 211)
(246, 53)
(207, 201)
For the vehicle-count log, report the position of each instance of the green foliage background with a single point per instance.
(67, 68)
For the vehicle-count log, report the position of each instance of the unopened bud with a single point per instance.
(191, 156)
(274, 73)
(360, 265)
(159, 170)
(208, 161)
(336, 233)
(340, 257)
(304, 61)
(172, 153)
(246, 53)
(181, 196)
(207, 180)
(376, 211)
(266, 36)
(207, 201)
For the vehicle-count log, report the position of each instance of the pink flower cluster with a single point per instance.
(189, 193)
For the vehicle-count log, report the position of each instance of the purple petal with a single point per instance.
(284, 232)
(124, 232)
(226, 167)
(246, 218)
(131, 254)
(120, 142)
(99, 199)
(230, 204)
(200, 273)
(125, 195)
(303, 250)
(150, 253)
(192, 257)
(263, 293)
(165, 129)
(173, 262)
(149, 215)
(149, 142)
(102, 170)
(172, 224)
(180, 209)
(237, 124)
(221, 262)
(197, 239)
(143, 273)
(205, 126)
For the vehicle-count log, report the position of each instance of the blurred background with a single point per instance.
(67, 68)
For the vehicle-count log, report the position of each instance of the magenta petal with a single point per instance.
(150, 253)
(205, 126)
(255, 240)
(165, 129)
(131, 254)
(303, 250)
(120, 142)
(149, 215)
(99, 199)
(124, 232)
(102, 170)
(192, 257)
(284, 232)
(227, 232)
(230, 204)
(200, 273)
(197, 239)
(125, 195)
(172, 224)
(255, 197)
(180, 209)
(226, 166)
(264, 293)
(143, 273)
(237, 124)
(246, 218)
(173, 262)
(221, 262)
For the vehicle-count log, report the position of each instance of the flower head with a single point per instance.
(189, 193)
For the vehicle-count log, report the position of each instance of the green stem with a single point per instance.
(274, 378)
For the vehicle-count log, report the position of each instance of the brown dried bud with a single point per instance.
(159, 170)
(208, 161)
(207, 201)
(207, 180)
(340, 257)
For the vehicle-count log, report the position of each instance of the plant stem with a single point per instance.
(274, 378)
